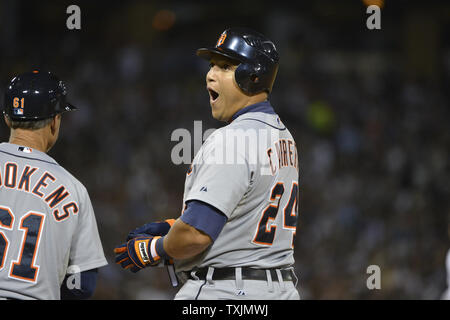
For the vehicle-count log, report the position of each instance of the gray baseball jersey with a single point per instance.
(249, 171)
(47, 225)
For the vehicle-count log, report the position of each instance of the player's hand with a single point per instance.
(138, 253)
(160, 228)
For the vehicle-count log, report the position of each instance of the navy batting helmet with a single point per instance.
(257, 55)
(35, 96)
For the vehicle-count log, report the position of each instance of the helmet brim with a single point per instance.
(206, 53)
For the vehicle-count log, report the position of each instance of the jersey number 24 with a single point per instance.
(265, 234)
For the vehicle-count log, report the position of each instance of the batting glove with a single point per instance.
(140, 252)
(160, 228)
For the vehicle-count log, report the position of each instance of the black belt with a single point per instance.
(247, 274)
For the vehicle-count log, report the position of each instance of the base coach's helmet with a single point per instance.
(34, 96)
(257, 55)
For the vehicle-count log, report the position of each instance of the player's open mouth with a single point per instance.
(213, 94)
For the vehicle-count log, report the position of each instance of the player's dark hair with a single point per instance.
(29, 125)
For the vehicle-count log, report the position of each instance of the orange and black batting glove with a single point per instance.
(140, 252)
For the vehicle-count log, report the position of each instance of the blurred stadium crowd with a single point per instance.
(369, 111)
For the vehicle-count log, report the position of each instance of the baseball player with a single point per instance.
(235, 237)
(49, 243)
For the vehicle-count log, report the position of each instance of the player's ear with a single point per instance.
(54, 124)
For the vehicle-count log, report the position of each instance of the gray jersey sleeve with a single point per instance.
(216, 179)
(86, 249)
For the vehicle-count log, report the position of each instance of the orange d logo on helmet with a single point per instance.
(221, 39)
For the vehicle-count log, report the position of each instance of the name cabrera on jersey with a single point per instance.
(47, 225)
(249, 171)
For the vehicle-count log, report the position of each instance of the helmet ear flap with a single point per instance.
(249, 78)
